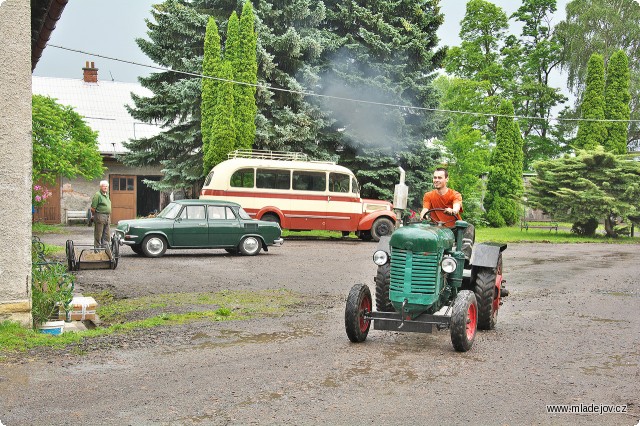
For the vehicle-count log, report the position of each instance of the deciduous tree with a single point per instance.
(63, 145)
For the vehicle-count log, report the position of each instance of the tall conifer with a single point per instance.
(211, 66)
(616, 102)
(505, 187)
(592, 134)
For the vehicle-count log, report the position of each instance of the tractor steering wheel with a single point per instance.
(428, 212)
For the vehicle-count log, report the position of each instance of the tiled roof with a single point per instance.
(102, 104)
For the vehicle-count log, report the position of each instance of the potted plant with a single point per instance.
(51, 290)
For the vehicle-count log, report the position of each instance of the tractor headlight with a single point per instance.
(380, 257)
(449, 264)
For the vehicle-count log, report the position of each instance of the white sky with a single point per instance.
(110, 29)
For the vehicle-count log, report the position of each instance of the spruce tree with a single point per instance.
(176, 41)
(504, 186)
(616, 102)
(211, 66)
(381, 51)
(592, 134)
(223, 135)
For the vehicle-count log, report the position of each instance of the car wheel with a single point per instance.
(358, 304)
(154, 246)
(382, 226)
(487, 290)
(464, 321)
(250, 246)
(383, 280)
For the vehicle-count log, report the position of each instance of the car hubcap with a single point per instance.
(251, 245)
(154, 245)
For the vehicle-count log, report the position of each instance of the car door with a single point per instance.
(190, 228)
(224, 227)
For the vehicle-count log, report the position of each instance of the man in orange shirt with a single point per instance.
(446, 198)
(442, 197)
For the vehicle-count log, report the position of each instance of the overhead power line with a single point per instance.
(340, 98)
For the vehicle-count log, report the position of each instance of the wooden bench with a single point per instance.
(549, 224)
(77, 215)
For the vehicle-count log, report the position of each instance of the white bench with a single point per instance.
(77, 215)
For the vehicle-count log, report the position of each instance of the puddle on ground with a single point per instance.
(617, 361)
(233, 337)
(200, 336)
(605, 320)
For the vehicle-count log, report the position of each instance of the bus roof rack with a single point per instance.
(264, 154)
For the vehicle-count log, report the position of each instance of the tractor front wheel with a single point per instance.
(383, 281)
(358, 304)
(464, 321)
(487, 289)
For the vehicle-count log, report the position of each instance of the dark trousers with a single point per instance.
(101, 230)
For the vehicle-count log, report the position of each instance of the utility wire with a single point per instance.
(339, 98)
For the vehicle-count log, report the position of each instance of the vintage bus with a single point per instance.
(298, 194)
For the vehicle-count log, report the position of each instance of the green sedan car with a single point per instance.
(191, 224)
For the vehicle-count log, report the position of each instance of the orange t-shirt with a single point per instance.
(433, 200)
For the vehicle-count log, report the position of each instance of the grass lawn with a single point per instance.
(513, 234)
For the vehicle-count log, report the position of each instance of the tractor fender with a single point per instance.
(486, 254)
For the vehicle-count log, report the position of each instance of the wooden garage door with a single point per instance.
(123, 197)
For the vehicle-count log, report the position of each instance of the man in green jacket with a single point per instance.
(101, 209)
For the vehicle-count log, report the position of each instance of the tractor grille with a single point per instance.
(413, 272)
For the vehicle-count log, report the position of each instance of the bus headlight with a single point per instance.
(449, 264)
(380, 257)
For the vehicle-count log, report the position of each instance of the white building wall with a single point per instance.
(15, 160)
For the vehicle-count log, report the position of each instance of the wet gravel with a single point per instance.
(569, 333)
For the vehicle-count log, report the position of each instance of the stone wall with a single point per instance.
(15, 160)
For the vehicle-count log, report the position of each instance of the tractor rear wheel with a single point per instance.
(383, 281)
(464, 321)
(358, 304)
(487, 290)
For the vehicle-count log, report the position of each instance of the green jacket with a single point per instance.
(101, 203)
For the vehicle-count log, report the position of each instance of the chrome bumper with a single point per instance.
(278, 242)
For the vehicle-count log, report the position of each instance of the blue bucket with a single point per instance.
(52, 327)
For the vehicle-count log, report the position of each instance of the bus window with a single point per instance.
(309, 181)
(207, 181)
(339, 182)
(242, 178)
(273, 179)
(354, 186)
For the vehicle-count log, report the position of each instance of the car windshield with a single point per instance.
(243, 214)
(171, 211)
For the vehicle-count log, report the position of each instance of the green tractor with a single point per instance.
(430, 275)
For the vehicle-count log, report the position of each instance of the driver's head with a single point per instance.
(440, 178)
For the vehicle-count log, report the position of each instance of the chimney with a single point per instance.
(90, 73)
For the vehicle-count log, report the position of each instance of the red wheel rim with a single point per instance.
(365, 307)
(472, 321)
(496, 300)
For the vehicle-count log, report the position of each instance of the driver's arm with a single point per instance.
(453, 210)
(426, 205)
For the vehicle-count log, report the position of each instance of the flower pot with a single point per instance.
(52, 327)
